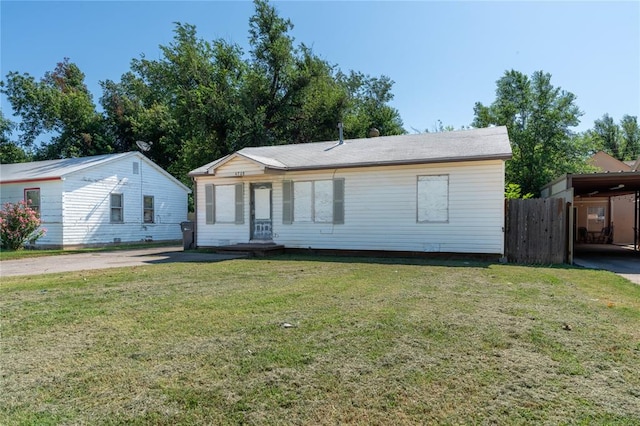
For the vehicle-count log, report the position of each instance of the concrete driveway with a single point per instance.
(105, 259)
(624, 262)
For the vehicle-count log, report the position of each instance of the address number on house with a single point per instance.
(239, 173)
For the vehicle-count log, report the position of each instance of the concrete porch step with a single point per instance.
(252, 249)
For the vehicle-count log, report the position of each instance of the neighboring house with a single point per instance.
(97, 200)
(605, 202)
(595, 212)
(432, 192)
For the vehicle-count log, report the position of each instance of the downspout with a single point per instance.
(194, 191)
(636, 222)
(609, 222)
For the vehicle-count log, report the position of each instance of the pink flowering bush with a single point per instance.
(19, 224)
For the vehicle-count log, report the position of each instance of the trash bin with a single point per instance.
(187, 235)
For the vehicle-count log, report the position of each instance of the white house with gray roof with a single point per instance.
(432, 192)
(103, 199)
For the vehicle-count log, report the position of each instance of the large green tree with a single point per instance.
(60, 106)
(368, 106)
(630, 134)
(605, 133)
(201, 100)
(539, 118)
(621, 141)
(182, 104)
(10, 151)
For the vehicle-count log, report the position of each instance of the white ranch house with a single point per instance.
(98, 200)
(433, 192)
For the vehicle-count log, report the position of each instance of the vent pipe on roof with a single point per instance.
(340, 142)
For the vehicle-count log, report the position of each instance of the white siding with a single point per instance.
(558, 187)
(239, 167)
(50, 206)
(87, 204)
(221, 233)
(381, 211)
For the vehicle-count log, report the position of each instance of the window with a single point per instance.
(303, 202)
(595, 218)
(323, 201)
(147, 207)
(433, 198)
(224, 203)
(117, 208)
(32, 198)
(136, 168)
(320, 201)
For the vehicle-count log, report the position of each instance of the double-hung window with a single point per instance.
(147, 207)
(32, 198)
(117, 208)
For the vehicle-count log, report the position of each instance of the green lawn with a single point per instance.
(373, 341)
(30, 253)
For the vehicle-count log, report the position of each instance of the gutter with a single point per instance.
(31, 180)
(276, 169)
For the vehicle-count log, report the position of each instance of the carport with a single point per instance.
(603, 190)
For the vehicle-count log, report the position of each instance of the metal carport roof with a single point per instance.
(604, 184)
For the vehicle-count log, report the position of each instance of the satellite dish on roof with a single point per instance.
(144, 146)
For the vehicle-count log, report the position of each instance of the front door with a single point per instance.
(261, 224)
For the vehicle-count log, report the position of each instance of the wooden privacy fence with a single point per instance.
(536, 230)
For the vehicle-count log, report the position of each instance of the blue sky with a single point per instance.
(443, 56)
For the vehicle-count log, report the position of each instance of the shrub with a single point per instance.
(19, 224)
(513, 191)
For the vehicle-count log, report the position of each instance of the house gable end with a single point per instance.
(133, 156)
(607, 163)
(237, 166)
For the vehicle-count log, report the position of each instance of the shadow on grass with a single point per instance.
(456, 260)
(27, 253)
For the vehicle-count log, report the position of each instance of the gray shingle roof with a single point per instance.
(51, 169)
(465, 145)
(56, 169)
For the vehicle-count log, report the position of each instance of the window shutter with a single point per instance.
(287, 202)
(209, 197)
(239, 203)
(338, 201)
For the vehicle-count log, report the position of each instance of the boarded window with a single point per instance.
(323, 201)
(302, 201)
(224, 203)
(117, 210)
(320, 201)
(148, 210)
(433, 198)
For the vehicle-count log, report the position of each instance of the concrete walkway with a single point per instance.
(620, 260)
(106, 259)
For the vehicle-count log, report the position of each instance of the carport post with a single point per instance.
(636, 223)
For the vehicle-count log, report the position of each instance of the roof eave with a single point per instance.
(391, 163)
(30, 180)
